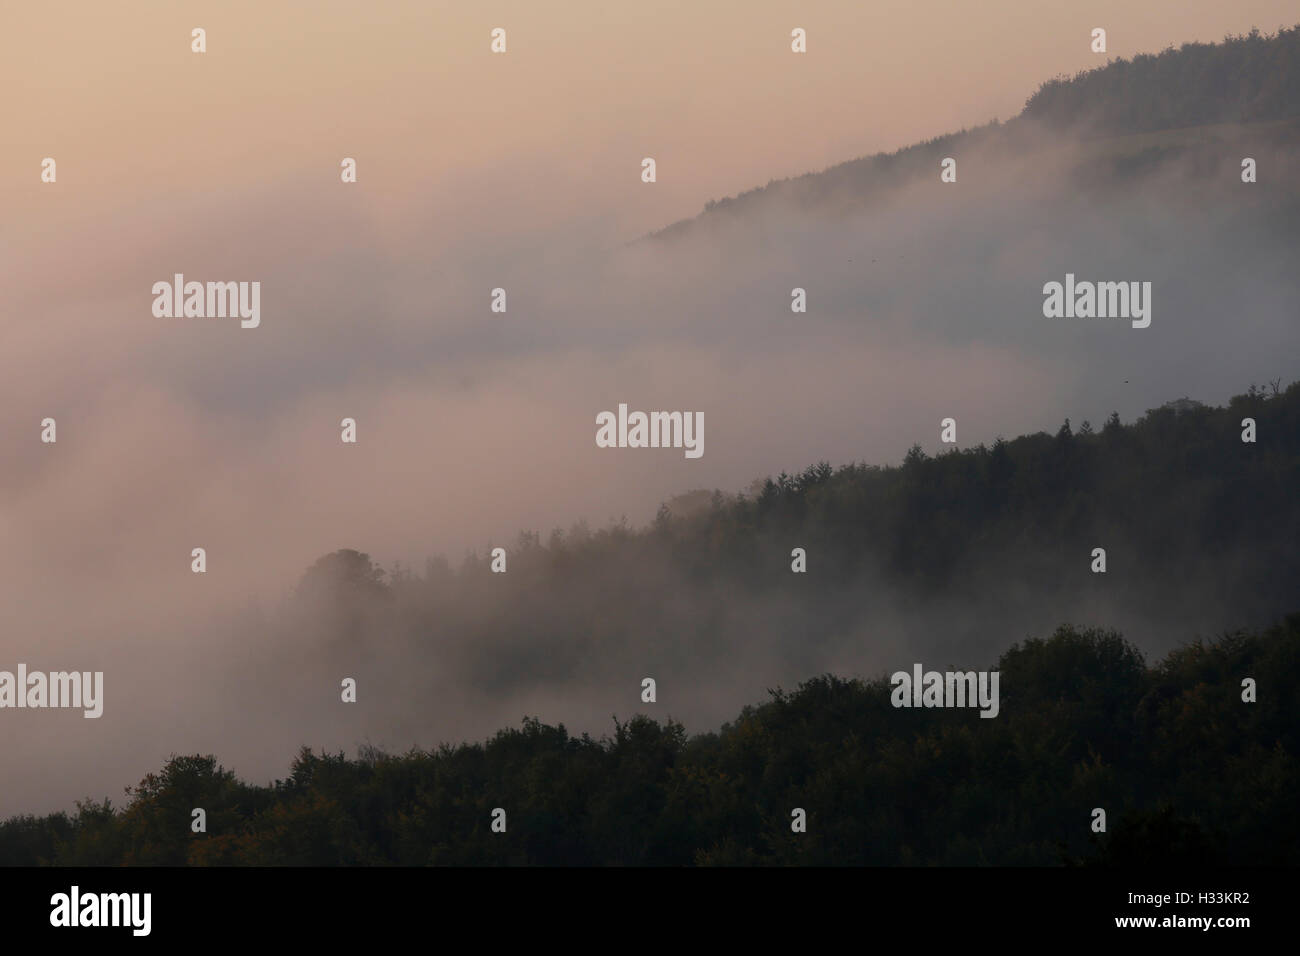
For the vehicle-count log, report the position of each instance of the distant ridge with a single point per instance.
(1253, 78)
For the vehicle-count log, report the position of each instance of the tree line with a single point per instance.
(1187, 772)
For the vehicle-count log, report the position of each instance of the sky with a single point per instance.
(520, 171)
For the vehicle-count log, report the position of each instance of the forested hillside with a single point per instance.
(1186, 771)
(1198, 524)
(1248, 83)
(955, 555)
(985, 544)
(1245, 79)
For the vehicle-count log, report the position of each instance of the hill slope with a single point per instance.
(1244, 91)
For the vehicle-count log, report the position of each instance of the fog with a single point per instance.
(924, 302)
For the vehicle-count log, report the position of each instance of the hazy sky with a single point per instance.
(554, 129)
(521, 171)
